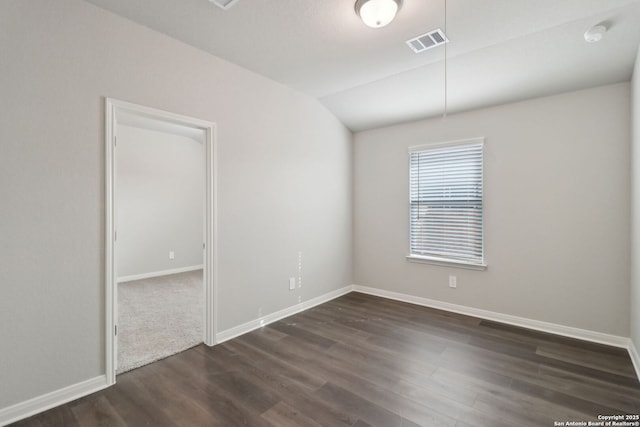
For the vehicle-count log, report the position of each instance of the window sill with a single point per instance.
(445, 262)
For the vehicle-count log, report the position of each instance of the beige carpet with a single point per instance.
(158, 317)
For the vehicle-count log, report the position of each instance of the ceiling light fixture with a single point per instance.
(595, 34)
(377, 13)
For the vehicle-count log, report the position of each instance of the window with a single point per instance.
(446, 203)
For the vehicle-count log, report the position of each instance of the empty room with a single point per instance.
(320, 213)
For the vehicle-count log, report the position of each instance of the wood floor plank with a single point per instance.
(476, 418)
(355, 378)
(364, 361)
(505, 330)
(587, 358)
(181, 408)
(290, 392)
(310, 337)
(97, 412)
(337, 332)
(365, 410)
(387, 367)
(191, 394)
(614, 395)
(567, 400)
(375, 385)
(277, 366)
(517, 359)
(134, 405)
(522, 410)
(283, 415)
(421, 390)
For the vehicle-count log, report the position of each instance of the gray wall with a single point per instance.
(160, 201)
(556, 210)
(284, 175)
(635, 206)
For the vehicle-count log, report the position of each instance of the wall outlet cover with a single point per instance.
(453, 282)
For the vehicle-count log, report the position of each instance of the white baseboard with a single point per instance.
(567, 331)
(39, 404)
(159, 273)
(273, 317)
(635, 357)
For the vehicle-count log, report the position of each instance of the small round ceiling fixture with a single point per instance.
(377, 13)
(595, 34)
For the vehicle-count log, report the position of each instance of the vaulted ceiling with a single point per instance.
(500, 50)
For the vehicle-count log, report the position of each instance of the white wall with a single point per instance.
(635, 209)
(556, 210)
(284, 176)
(160, 201)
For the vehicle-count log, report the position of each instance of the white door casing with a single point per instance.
(114, 108)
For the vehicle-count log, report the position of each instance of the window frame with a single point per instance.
(443, 261)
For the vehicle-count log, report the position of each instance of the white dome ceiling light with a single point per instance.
(377, 13)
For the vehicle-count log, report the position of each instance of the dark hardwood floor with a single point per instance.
(366, 361)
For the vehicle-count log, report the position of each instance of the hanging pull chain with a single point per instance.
(446, 106)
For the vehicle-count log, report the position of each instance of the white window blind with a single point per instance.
(446, 202)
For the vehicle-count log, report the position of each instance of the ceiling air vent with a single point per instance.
(427, 41)
(224, 4)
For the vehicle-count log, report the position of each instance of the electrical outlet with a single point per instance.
(172, 255)
(453, 282)
(292, 283)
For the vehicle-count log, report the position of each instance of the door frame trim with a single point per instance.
(113, 108)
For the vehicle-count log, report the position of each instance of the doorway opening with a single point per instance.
(144, 199)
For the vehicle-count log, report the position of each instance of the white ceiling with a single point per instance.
(500, 50)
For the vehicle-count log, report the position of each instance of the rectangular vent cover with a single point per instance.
(427, 41)
(224, 4)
